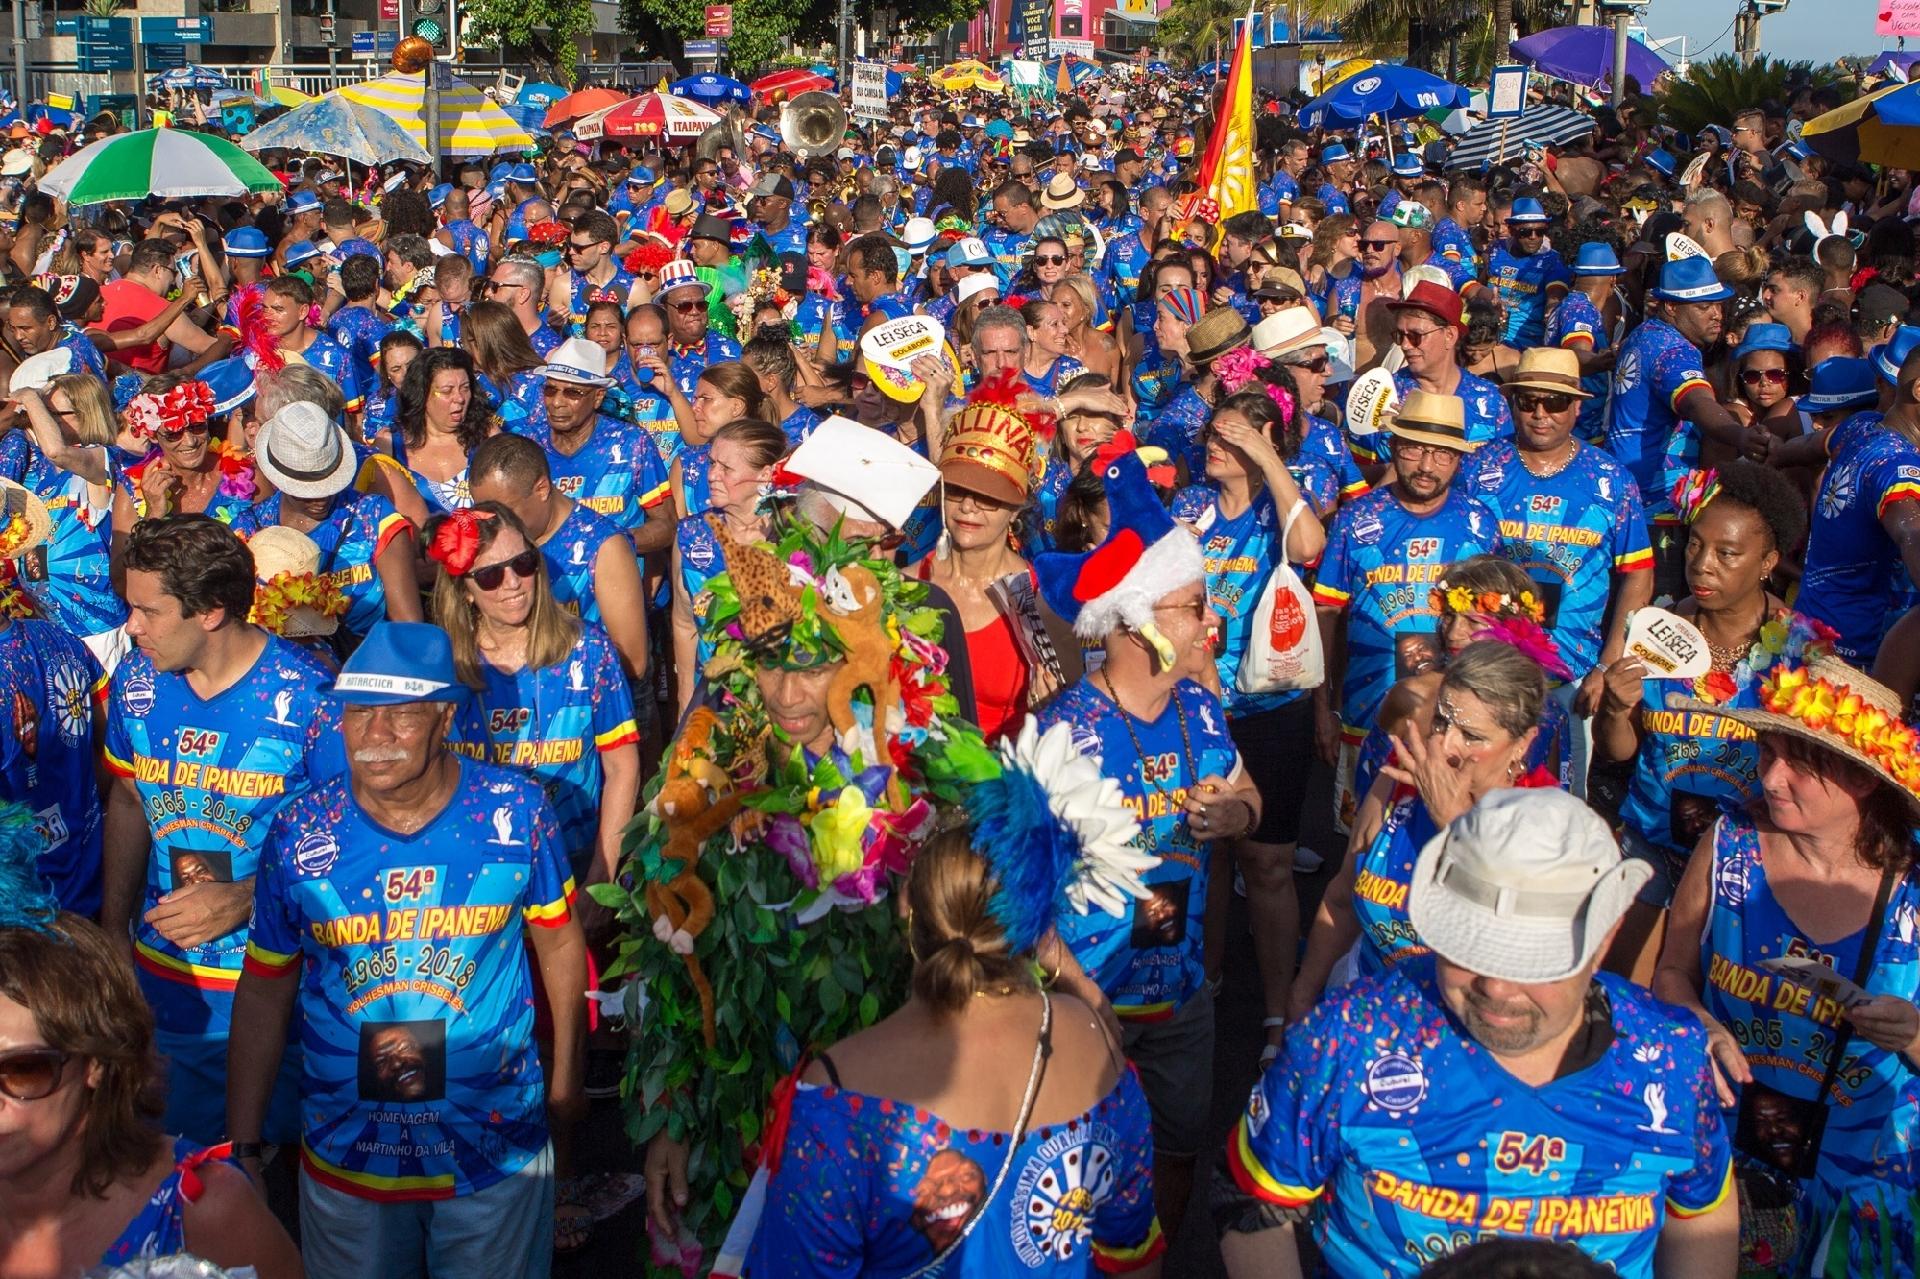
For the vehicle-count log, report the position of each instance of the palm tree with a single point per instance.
(1203, 29)
(1421, 30)
(1717, 87)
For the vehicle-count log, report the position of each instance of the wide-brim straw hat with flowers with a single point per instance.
(291, 597)
(24, 521)
(1829, 703)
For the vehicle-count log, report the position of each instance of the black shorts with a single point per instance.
(1276, 749)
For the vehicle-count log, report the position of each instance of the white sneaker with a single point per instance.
(1306, 861)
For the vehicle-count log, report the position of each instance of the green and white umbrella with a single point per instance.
(170, 163)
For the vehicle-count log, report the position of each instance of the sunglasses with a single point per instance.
(32, 1073)
(581, 246)
(1521, 232)
(503, 284)
(688, 308)
(1379, 244)
(1049, 259)
(190, 428)
(1551, 401)
(1412, 337)
(490, 577)
(1754, 377)
(1320, 363)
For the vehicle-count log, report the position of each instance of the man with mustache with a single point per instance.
(1498, 1087)
(414, 890)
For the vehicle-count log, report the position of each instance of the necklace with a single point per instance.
(1725, 659)
(1573, 451)
(1186, 747)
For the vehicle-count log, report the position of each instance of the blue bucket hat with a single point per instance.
(1764, 337)
(1690, 280)
(400, 662)
(231, 382)
(1841, 382)
(358, 248)
(1596, 257)
(301, 202)
(301, 252)
(1334, 151)
(246, 242)
(1662, 161)
(1527, 210)
(1407, 165)
(437, 198)
(1892, 353)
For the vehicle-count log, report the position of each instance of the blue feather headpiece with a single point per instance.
(25, 899)
(1054, 829)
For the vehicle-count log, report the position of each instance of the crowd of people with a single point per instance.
(811, 646)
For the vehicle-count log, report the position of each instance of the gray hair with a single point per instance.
(298, 384)
(523, 270)
(999, 317)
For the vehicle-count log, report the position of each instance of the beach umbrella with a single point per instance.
(1387, 90)
(171, 163)
(338, 126)
(1078, 70)
(471, 123)
(582, 103)
(1882, 128)
(191, 76)
(710, 88)
(650, 115)
(1584, 55)
(1159, 68)
(793, 82)
(1494, 141)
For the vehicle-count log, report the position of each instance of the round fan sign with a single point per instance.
(1372, 402)
(888, 351)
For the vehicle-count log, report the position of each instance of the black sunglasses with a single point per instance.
(1049, 259)
(523, 565)
(1551, 401)
(1379, 244)
(32, 1073)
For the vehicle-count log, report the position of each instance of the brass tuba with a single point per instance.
(813, 124)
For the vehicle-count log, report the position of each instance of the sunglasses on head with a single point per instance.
(1754, 377)
(32, 1073)
(490, 577)
(1551, 401)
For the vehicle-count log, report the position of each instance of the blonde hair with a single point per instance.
(1082, 288)
(552, 632)
(1511, 684)
(93, 417)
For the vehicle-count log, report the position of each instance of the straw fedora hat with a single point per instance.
(1836, 707)
(24, 521)
(1549, 368)
(1427, 418)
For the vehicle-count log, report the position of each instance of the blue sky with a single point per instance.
(1820, 30)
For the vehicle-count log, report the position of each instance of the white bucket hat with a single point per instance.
(304, 453)
(1523, 887)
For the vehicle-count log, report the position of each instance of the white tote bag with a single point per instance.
(1283, 649)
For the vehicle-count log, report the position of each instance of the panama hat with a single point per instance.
(1217, 332)
(1522, 887)
(282, 552)
(1549, 368)
(304, 453)
(1427, 418)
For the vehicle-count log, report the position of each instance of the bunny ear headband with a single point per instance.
(1822, 231)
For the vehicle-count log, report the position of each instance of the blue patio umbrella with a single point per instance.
(1385, 89)
(1584, 55)
(191, 76)
(333, 125)
(1159, 68)
(1211, 68)
(711, 88)
(1079, 71)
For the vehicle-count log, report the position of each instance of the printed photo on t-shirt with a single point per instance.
(1690, 816)
(1160, 918)
(1779, 1131)
(403, 1060)
(1548, 592)
(199, 866)
(1415, 653)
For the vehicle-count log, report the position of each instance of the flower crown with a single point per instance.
(1242, 365)
(188, 404)
(1834, 710)
(1461, 599)
(1693, 492)
(274, 603)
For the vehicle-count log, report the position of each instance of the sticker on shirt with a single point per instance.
(948, 1195)
(1058, 1191)
(1415, 653)
(67, 695)
(315, 853)
(403, 1060)
(1160, 918)
(1626, 374)
(137, 695)
(1396, 1083)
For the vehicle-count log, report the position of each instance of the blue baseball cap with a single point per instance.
(300, 252)
(1408, 165)
(1764, 337)
(437, 197)
(1690, 280)
(1892, 353)
(231, 382)
(301, 202)
(1841, 382)
(523, 174)
(246, 242)
(400, 662)
(969, 251)
(1596, 257)
(1527, 210)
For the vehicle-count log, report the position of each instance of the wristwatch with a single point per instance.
(247, 1150)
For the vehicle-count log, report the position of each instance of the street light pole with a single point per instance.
(1619, 56)
(20, 91)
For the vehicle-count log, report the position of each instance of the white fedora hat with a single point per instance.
(304, 453)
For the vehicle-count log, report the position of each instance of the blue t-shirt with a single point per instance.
(356, 532)
(358, 330)
(616, 473)
(1855, 580)
(1176, 428)
(555, 722)
(1382, 877)
(67, 577)
(1328, 442)
(869, 1186)
(1485, 409)
(210, 774)
(420, 1079)
(1381, 564)
(1522, 283)
(1656, 369)
(1414, 1141)
(1578, 325)
(1571, 532)
(1120, 270)
(50, 684)
(1451, 240)
(571, 553)
(1149, 960)
(687, 363)
(1690, 765)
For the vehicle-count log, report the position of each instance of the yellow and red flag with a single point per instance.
(1226, 169)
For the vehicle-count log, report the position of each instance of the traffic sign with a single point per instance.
(389, 10)
(703, 48)
(104, 44)
(720, 21)
(176, 30)
(165, 57)
(374, 44)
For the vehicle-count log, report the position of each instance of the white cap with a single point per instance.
(1523, 887)
(578, 361)
(36, 371)
(974, 285)
(859, 467)
(914, 158)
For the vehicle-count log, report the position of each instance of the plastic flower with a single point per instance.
(838, 832)
(787, 836)
(13, 533)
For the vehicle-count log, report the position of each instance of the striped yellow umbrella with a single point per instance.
(470, 122)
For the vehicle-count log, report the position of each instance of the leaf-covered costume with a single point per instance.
(753, 892)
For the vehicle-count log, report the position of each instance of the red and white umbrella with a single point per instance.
(792, 82)
(650, 115)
